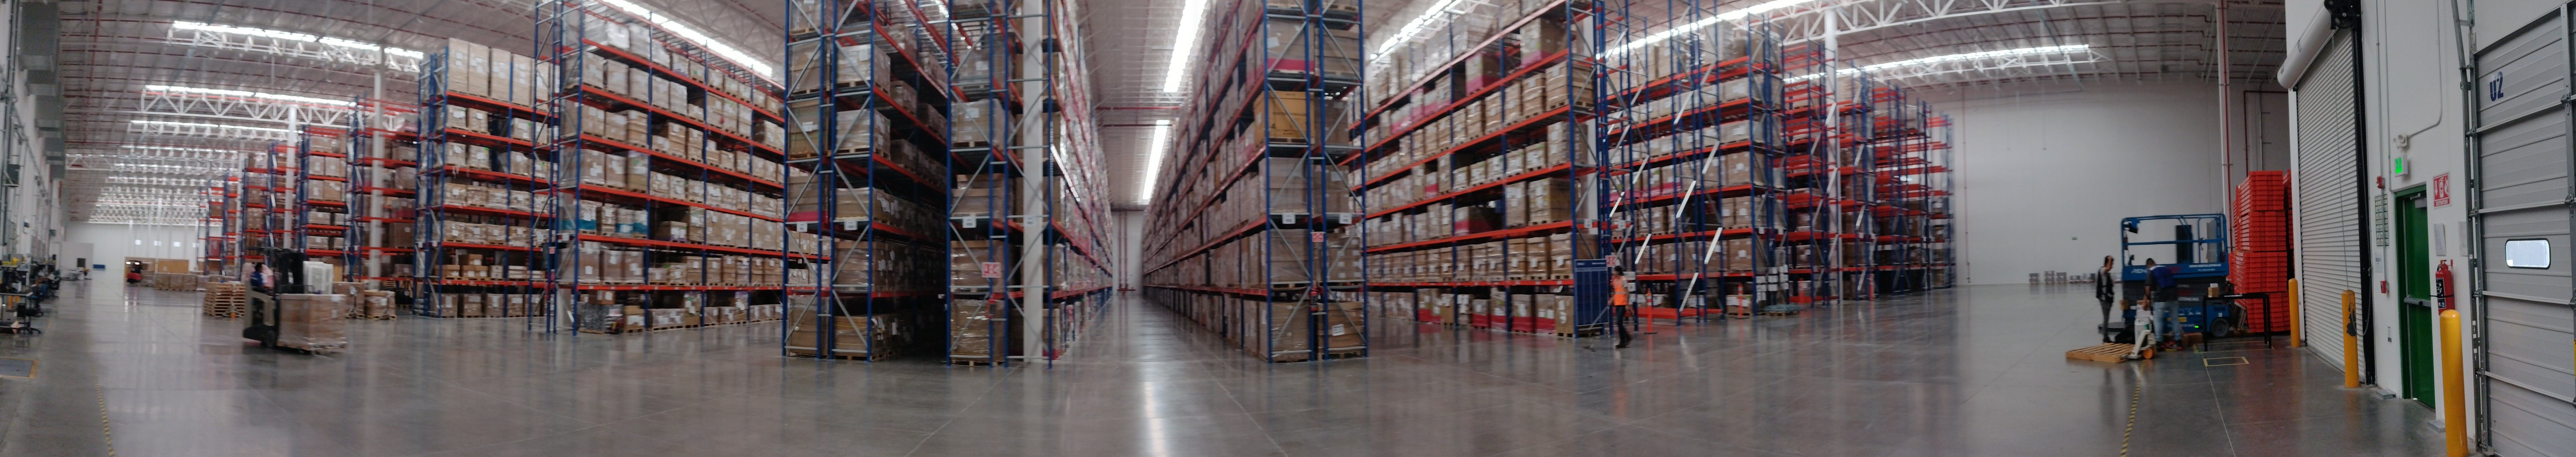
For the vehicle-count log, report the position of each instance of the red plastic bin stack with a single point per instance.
(2260, 260)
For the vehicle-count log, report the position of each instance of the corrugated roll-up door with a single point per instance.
(2323, 195)
(2527, 366)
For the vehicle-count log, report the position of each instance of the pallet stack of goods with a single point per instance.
(1260, 220)
(481, 221)
(2260, 260)
(224, 299)
(668, 177)
(313, 322)
(1471, 171)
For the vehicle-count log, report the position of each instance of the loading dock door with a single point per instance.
(2526, 370)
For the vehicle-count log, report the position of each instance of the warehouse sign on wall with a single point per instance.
(2441, 190)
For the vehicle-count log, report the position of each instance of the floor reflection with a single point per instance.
(1971, 371)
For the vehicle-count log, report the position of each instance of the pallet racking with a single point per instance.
(1748, 174)
(1265, 230)
(1020, 290)
(480, 226)
(320, 223)
(1475, 169)
(383, 189)
(664, 168)
(868, 104)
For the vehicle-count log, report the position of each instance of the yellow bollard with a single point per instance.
(2455, 411)
(2351, 347)
(2294, 311)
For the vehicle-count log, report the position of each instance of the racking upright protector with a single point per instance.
(1479, 153)
(1019, 289)
(480, 225)
(667, 182)
(868, 103)
(1264, 227)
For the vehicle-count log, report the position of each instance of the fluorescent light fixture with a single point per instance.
(1980, 55)
(1420, 23)
(181, 149)
(1668, 34)
(292, 36)
(701, 39)
(1185, 44)
(245, 93)
(220, 126)
(1154, 161)
(2072, 48)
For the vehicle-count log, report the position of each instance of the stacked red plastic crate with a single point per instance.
(2260, 260)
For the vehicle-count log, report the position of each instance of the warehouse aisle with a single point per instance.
(1973, 371)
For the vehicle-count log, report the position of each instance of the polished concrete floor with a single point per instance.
(1971, 371)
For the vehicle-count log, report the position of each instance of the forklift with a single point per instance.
(267, 281)
(2199, 261)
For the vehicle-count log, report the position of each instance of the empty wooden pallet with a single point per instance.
(2107, 352)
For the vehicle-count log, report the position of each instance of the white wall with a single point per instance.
(2045, 173)
(112, 243)
(1130, 238)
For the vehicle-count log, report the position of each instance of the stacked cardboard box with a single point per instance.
(312, 322)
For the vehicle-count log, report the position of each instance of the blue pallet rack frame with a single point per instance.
(438, 100)
(825, 27)
(1687, 277)
(564, 46)
(998, 40)
(373, 193)
(1524, 62)
(1246, 75)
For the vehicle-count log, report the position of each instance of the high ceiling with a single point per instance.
(112, 49)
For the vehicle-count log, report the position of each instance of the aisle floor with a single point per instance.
(1970, 371)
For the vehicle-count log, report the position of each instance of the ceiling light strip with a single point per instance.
(1694, 26)
(245, 93)
(221, 126)
(701, 39)
(2070, 49)
(292, 36)
(1162, 145)
(1185, 43)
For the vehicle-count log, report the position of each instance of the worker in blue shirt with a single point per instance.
(2161, 288)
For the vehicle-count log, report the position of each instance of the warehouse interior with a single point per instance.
(1287, 227)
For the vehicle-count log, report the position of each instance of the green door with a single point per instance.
(2415, 293)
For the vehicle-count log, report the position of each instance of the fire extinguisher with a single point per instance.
(2442, 284)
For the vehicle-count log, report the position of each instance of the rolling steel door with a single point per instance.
(2520, 195)
(2324, 196)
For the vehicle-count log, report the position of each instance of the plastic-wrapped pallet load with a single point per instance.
(970, 329)
(312, 322)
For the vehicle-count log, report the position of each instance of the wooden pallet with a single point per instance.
(844, 356)
(2107, 352)
(969, 362)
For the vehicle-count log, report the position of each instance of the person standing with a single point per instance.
(2162, 288)
(2105, 289)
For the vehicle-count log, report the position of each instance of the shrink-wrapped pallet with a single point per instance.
(312, 322)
